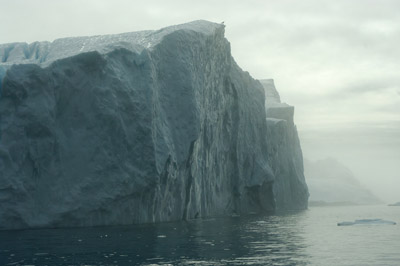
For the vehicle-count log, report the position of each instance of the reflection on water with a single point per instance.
(299, 238)
(237, 240)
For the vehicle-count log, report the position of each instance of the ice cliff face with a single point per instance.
(284, 151)
(137, 127)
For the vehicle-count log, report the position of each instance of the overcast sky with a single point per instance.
(337, 62)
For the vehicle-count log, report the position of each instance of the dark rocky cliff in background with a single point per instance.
(138, 127)
(330, 182)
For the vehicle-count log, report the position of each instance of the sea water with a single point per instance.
(309, 237)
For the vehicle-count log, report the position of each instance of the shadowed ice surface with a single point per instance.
(299, 238)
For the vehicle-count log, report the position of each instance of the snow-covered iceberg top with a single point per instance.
(44, 53)
(367, 222)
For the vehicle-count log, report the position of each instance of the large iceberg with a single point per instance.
(137, 127)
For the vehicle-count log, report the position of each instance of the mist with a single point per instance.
(337, 62)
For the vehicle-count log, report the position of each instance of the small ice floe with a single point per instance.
(161, 236)
(367, 222)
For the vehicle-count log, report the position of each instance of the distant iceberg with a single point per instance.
(332, 183)
(367, 222)
(395, 204)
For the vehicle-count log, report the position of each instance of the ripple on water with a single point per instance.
(304, 238)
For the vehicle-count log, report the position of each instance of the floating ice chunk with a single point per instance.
(367, 222)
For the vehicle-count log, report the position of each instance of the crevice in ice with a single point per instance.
(189, 181)
(7, 52)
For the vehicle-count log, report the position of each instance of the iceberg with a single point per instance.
(284, 151)
(332, 183)
(140, 127)
(367, 222)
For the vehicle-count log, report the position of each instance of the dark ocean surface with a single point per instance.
(309, 237)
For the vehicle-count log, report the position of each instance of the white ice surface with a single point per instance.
(44, 53)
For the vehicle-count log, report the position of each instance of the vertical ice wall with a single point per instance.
(137, 127)
(284, 151)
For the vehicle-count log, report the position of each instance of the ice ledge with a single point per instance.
(44, 53)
